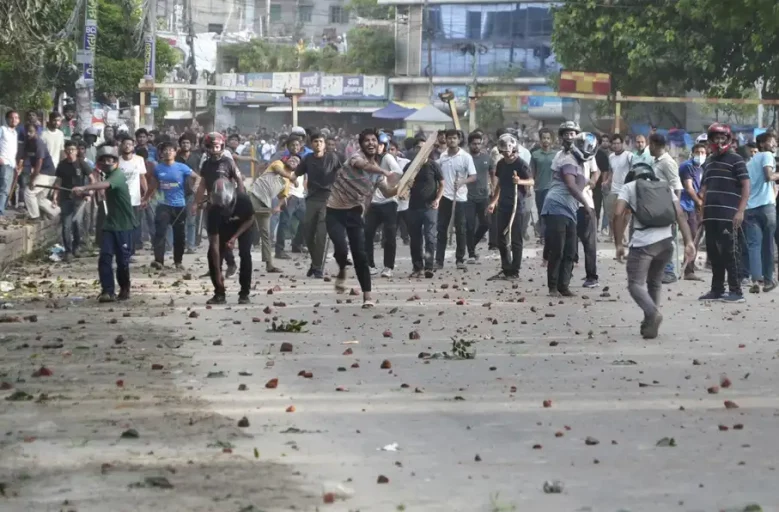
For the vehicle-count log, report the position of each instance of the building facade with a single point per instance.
(280, 19)
(452, 44)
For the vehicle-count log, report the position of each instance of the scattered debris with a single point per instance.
(243, 422)
(272, 384)
(666, 442)
(553, 487)
(130, 433)
(293, 326)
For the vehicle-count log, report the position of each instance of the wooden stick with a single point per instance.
(508, 229)
(413, 169)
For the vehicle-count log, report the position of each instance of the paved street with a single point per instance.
(472, 435)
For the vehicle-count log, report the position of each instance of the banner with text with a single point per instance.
(317, 87)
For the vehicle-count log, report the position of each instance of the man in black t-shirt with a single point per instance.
(71, 172)
(216, 166)
(424, 196)
(602, 161)
(233, 216)
(513, 175)
(320, 168)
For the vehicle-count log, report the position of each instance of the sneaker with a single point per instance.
(231, 270)
(669, 278)
(711, 296)
(156, 265)
(189, 250)
(462, 266)
(500, 276)
(754, 288)
(733, 298)
(282, 256)
(591, 283)
(438, 266)
(67, 258)
(318, 274)
(387, 272)
(768, 287)
(273, 270)
(567, 293)
(244, 299)
(554, 293)
(217, 299)
(310, 272)
(416, 274)
(745, 282)
(106, 297)
(374, 271)
(124, 294)
(178, 266)
(471, 260)
(651, 327)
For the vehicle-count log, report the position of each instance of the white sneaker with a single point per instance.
(387, 272)
(374, 271)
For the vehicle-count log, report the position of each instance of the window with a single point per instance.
(339, 15)
(473, 24)
(305, 12)
(215, 27)
(275, 12)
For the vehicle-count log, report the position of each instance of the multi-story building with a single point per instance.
(284, 19)
(454, 44)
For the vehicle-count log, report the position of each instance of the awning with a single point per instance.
(180, 115)
(429, 114)
(394, 110)
(326, 110)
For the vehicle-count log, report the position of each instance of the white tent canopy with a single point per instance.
(428, 114)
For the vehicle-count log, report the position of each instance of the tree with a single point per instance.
(371, 9)
(371, 51)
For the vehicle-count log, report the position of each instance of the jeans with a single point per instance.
(316, 231)
(245, 253)
(191, 225)
(114, 244)
(693, 221)
(477, 223)
(296, 207)
(645, 268)
(387, 215)
(510, 257)
(560, 247)
(540, 196)
(422, 229)
(760, 227)
(37, 200)
(722, 246)
(262, 224)
(137, 232)
(148, 215)
(586, 230)
(7, 173)
(72, 220)
(175, 216)
(346, 230)
(444, 217)
(403, 226)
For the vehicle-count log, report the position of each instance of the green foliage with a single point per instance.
(669, 47)
(371, 9)
(489, 114)
(293, 326)
(161, 111)
(371, 51)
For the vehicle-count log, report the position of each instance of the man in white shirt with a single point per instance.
(383, 211)
(54, 138)
(620, 162)
(134, 169)
(666, 169)
(650, 247)
(458, 170)
(402, 201)
(9, 145)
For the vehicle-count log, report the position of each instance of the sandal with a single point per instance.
(368, 304)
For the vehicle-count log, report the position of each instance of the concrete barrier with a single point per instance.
(18, 241)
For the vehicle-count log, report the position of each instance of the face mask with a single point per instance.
(699, 159)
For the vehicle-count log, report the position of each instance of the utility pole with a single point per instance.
(191, 63)
(429, 31)
(149, 57)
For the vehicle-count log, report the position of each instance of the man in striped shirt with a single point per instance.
(725, 188)
(351, 192)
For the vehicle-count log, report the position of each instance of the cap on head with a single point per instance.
(568, 126)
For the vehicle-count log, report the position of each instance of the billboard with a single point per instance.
(317, 87)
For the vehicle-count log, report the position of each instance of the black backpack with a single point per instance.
(654, 204)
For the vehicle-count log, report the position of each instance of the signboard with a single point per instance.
(317, 87)
(586, 83)
(460, 97)
(154, 101)
(546, 108)
(90, 43)
(149, 51)
(85, 57)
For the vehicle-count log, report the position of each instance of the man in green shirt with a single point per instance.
(118, 225)
(541, 169)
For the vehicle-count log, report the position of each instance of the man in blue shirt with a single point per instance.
(170, 177)
(760, 217)
(691, 201)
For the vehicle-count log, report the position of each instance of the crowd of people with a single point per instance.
(128, 189)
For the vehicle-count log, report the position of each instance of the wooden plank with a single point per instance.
(413, 169)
